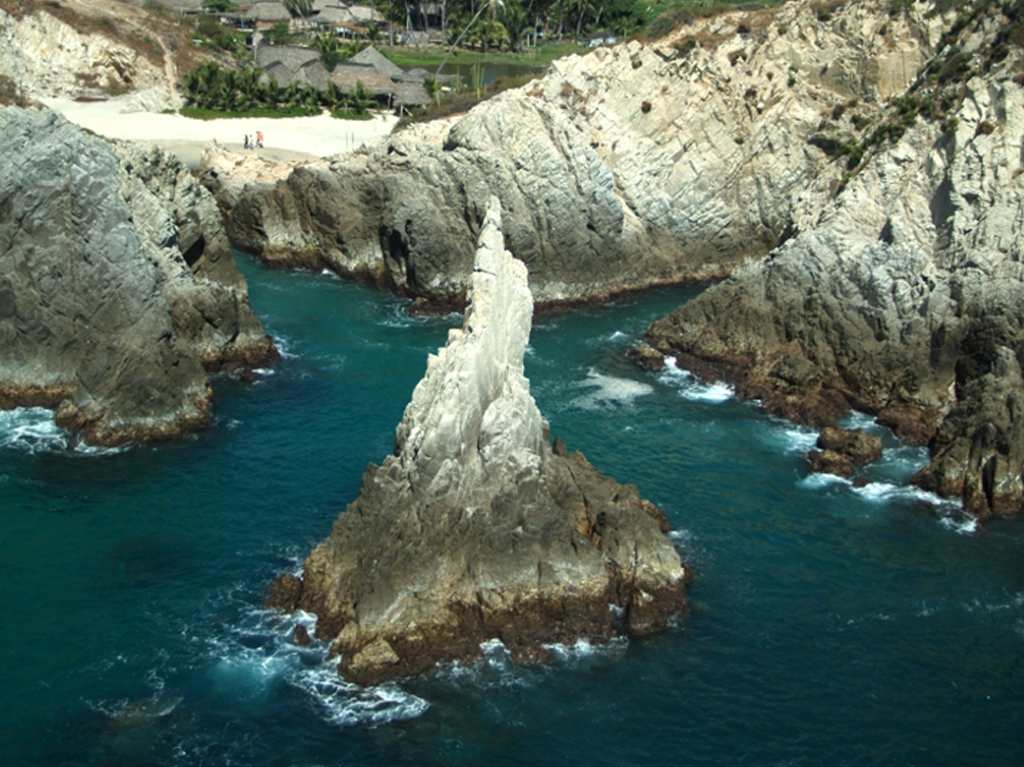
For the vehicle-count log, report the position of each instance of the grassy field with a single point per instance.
(430, 57)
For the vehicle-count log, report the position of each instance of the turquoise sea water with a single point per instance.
(827, 624)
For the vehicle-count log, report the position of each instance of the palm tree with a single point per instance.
(582, 8)
(513, 16)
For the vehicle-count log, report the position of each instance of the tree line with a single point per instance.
(513, 23)
(222, 89)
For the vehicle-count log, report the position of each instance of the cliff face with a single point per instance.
(629, 167)
(475, 528)
(118, 292)
(904, 296)
(48, 57)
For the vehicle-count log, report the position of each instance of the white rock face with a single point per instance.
(905, 295)
(472, 422)
(631, 166)
(48, 58)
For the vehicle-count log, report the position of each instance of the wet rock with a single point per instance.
(284, 592)
(300, 636)
(842, 451)
(646, 356)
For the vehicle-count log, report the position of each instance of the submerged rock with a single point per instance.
(475, 528)
(118, 291)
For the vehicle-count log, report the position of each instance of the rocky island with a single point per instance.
(477, 527)
(118, 290)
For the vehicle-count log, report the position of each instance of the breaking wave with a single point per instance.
(33, 430)
(259, 651)
(950, 513)
(283, 345)
(692, 388)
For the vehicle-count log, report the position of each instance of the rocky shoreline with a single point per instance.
(903, 299)
(119, 294)
(478, 527)
(631, 167)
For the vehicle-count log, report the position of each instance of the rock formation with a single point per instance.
(842, 451)
(476, 528)
(629, 167)
(79, 49)
(904, 297)
(118, 292)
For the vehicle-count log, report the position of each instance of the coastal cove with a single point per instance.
(826, 623)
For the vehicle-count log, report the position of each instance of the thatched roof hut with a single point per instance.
(370, 56)
(410, 94)
(366, 15)
(292, 56)
(268, 11)
(287, 64)
(345, 76)
(335, 16)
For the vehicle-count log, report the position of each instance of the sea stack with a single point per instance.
(476, 527)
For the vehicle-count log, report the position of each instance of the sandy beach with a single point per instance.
(285, 138)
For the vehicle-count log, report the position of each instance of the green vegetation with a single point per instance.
(219, 6)
(463, 100)
(431, 57)
(212, 91)
(299, 8)
(198, 113)
(212, 34)
(940, 89)
(659, 18)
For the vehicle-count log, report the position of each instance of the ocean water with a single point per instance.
(828, 624)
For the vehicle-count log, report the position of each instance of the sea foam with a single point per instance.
(692, 388)
(609, 391)
(33, 430)
(258, 649)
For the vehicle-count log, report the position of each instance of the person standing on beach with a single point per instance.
(246, 140)
(259, 139)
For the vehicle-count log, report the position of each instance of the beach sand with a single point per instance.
(284, 138)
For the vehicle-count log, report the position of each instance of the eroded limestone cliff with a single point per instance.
(82, 50)
(904, 297)
(118, 291)
(629, 167)
(475, 528)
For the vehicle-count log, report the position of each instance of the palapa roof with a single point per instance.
(285, 64)
(335, 15)
(411, 94)
(365, 13)
(268, 11)
(345, 76)
(370, 56)
(292, 56)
